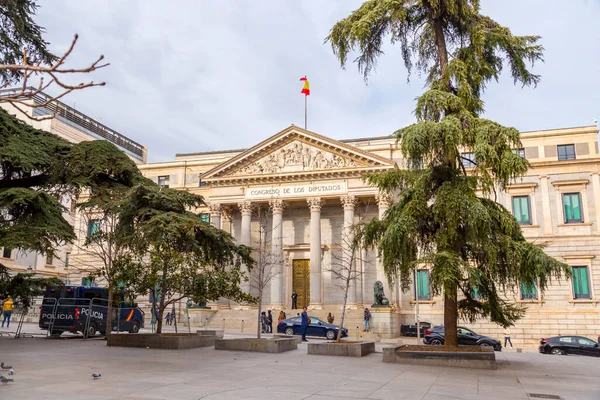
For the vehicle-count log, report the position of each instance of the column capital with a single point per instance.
(215, 208)
(277, 206)
(383, 199)
(348, 202)
(314, 203)
(245, 207)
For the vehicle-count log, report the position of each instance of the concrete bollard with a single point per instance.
(357, 334)
(242, 326)
(223, 324)
(205, 323)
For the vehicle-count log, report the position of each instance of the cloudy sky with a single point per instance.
(201, 75)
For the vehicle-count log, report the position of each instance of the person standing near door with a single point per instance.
(507, 337)
(270, 321)
(7, 309)
(294, 300)
(304, 324)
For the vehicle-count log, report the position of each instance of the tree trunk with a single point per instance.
(259, 330)
(161, 307)
(109, 311)
(440, 42)
(450, 318)
(339, 335)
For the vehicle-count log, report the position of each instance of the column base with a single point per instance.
(353, 306)
(317, 306)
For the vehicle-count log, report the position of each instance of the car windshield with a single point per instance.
(585, 342)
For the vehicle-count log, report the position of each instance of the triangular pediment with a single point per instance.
(294, 153)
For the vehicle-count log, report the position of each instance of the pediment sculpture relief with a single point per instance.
(296, 156)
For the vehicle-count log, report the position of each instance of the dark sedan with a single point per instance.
(563, 345)
(317, 327)
(466, 337)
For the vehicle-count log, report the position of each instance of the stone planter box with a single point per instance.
(346, 349)
(257, 345)
(216, 333)
(171, 341)
(458, 359)
(282, 336)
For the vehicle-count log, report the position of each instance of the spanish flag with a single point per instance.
(306, 87)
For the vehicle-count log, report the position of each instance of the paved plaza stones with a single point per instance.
(58, 369)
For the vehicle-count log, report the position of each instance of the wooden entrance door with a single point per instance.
(301, 281)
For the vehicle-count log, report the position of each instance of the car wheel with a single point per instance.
(485, 344)
(330, 335)
(91, 330)
(558, 352)
(135, 328)
(436, 342)
(289, 331)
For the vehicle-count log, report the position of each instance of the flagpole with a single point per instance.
(305, 103)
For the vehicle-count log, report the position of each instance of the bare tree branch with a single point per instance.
(24, 97)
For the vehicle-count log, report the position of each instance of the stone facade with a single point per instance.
(311, 186)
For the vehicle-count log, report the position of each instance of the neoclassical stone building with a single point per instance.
(311, 188)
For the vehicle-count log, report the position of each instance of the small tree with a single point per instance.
(179, 253)
(267, 263)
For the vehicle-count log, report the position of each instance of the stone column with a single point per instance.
(215, 215)
(546, 205)
(596, 189)
(246, 234)
(316, 299)
(277, 251)
(384, 200)
(348, 264)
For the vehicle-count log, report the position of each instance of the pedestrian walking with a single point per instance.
(270, 321)
(507, 337)
(281, 317)
(330, 318)
(168, 318)
(294, 300)
(7, 309)
(304, 324)
(367, 319)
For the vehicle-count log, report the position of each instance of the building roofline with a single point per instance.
(201, 153)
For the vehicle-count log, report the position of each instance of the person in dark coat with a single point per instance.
(270, 322)
(294, 300)
(304, 324)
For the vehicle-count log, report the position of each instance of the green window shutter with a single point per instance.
(521, 209)
(572, 207)
(528, 292)
(581, 286)
(205, 217)
(423, 291)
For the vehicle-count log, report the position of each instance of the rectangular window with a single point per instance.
(88, 282)
(476, 294)
(423, 290)
(6, 252)
(572, 208)
(528, 292)
(163, 181)
(566, 152)
(93, 227)
(468, 160)
(205, 217)
(581, 283)
(49, 259)
(521, 209)
(520, 152)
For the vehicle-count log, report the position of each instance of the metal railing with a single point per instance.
(72, 115)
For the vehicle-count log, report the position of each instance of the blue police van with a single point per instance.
(84, 309)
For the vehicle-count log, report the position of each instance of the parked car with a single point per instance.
(563, 345)
(317, 327)
(466, 337)
(411, 330)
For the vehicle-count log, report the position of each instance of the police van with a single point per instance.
(83, 309)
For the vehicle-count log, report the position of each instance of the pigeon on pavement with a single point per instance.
(96, 375)
(4, 366)
(11, 372)
(6, 380)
